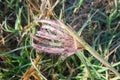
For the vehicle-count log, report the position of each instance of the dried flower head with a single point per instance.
(53, 39)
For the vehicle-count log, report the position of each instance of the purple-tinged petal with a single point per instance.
(47, 49)
(55, 30)
(51, 22)
(50, 36)
(44, 41)
(54, 50)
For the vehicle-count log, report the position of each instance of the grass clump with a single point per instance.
(96, 21)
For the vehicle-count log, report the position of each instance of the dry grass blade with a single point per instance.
(31, 72)
(59, 24)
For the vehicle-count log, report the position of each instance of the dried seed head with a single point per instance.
(52, 39)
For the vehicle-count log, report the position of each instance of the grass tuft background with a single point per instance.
(97, 21)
